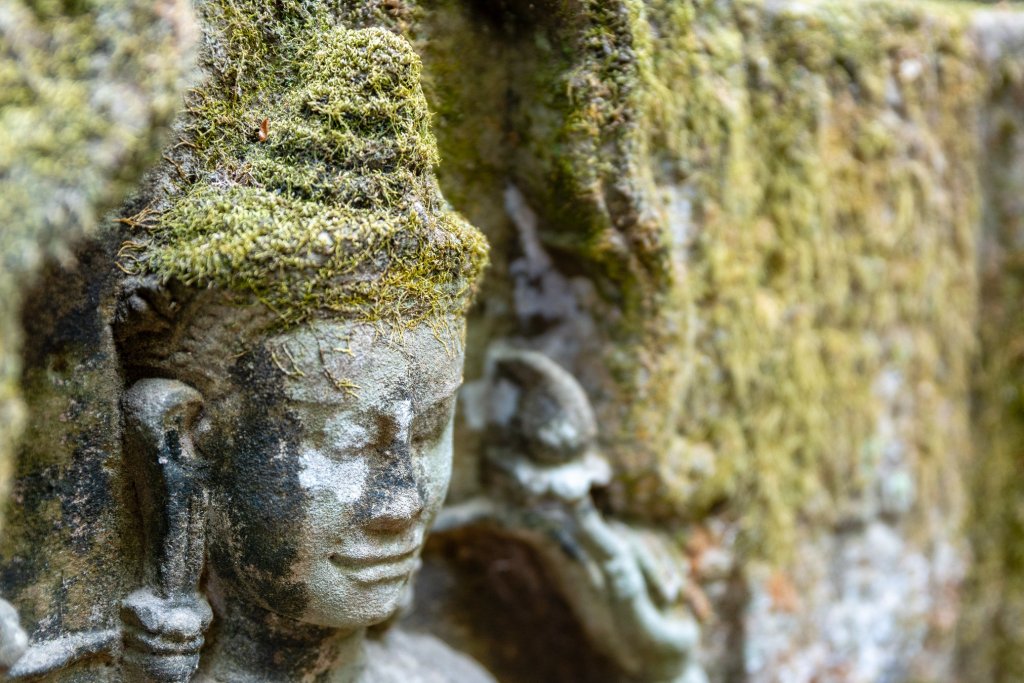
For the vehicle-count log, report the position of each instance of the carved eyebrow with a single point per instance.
(446, 393)
(342, 399)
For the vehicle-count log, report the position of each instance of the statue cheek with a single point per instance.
(434, 474)
(255, 535)
(334, 488)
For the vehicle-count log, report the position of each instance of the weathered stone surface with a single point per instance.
(991, 625)
(87, 92)
(769, 239)
(751, 230)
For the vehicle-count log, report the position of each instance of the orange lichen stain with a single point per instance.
(783, 592)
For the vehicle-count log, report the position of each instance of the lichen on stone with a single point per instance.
(991, 624)
(776, 205)
(827, 149)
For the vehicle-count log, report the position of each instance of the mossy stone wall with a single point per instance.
(776, 241)
(87, 90)
(765, 218)
(992, 644)
(776, 207)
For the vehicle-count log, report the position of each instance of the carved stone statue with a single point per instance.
(291, 342)
(291, 359)
(310, 467)
(542, 467)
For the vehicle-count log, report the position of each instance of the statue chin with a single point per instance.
(338, 599)
(331, 602)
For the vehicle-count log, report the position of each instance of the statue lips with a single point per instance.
(371, 569)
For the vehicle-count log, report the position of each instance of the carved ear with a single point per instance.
(159, 417)
(165, 620)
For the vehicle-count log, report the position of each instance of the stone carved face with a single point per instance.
(330, 455)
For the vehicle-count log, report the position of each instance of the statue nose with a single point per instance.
(397, 503)
(396, 509)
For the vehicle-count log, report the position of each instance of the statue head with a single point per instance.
(315, 314)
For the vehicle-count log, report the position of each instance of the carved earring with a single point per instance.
(164, 621)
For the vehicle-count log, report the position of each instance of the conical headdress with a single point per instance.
(338, 212)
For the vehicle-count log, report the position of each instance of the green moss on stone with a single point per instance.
(86, 91)
(828, 150)
(777, 206)
(337, 212)
(992, 625)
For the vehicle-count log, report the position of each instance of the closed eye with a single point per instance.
(430, 424)
(344, 436)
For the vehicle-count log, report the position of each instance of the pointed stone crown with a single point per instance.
(338, 212)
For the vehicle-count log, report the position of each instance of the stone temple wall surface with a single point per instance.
(779, 243)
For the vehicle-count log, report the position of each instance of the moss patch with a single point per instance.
(777, 208)
(336, 211)
(993, 623)
(828, 151)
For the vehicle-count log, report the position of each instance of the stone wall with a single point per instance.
(88, 91)
(752, 230)
(777, 242)
(992, 627)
